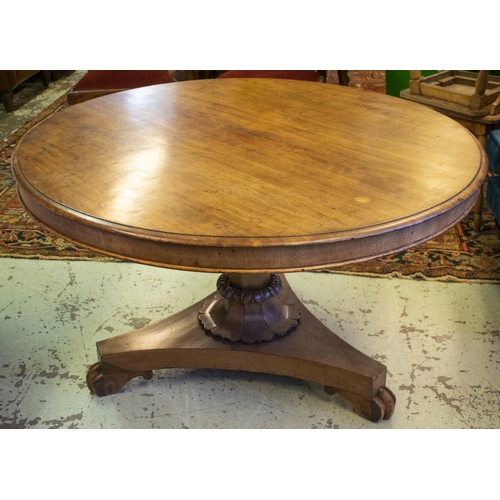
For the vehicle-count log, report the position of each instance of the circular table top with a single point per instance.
(248, 174)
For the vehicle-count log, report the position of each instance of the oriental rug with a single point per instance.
(460, 254)
(20, 235)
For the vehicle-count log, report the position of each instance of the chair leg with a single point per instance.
(343, 77)
(8, 100)
(45, 77)
(478, 211)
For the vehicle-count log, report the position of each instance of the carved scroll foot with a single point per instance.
(311, 352)
(381, 407)
(249, 314)
(105, 384)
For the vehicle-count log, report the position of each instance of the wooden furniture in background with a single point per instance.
(10, 79)
(250, 178)
(320, 76)
(343, 77)
(478, 93)
(472, 99)
(308, 76)
(97, 83)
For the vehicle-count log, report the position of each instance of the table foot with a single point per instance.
(105, 384)
(380, 407)
(252, 314)
(310, 352)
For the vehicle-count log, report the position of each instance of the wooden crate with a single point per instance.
(459, 87)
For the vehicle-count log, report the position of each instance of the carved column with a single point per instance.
(249, 308)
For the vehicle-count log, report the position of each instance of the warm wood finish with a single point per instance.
(256, 312)
(451, 108)
(275, 176)
(75, 97)
(415, 79)
(475, 91)
(10, 79)
(478, 121)
(311, 352)
(248, 177)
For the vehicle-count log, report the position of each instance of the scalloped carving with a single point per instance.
(103, 384)
(248, 315)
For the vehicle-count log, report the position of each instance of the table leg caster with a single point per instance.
(381, 407)
(104, 384)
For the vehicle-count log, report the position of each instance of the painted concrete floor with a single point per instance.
(440, 342)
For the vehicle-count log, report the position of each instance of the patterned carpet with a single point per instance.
(459, 254)
(20, 235)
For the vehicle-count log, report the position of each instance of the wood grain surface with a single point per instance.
(248, 175)
(311, 352)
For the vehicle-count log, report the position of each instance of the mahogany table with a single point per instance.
(480, 126)
(251, 179)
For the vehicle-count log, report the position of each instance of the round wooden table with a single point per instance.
(251, 178)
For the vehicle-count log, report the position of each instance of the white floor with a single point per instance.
(440, 342)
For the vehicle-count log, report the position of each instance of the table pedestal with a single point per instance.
(302, 346)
